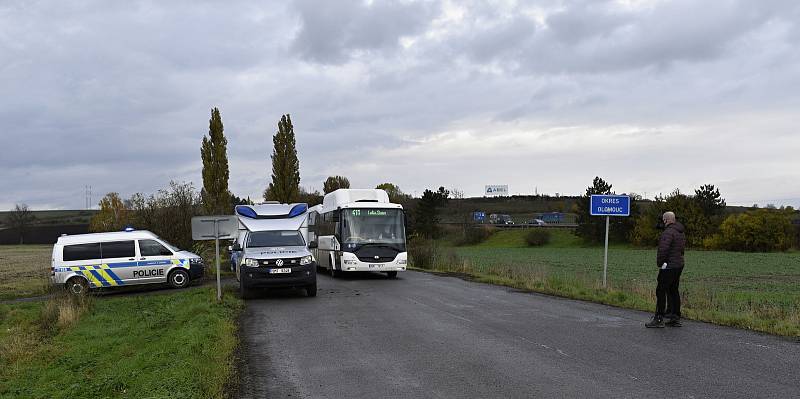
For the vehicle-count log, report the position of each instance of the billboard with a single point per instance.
(496, 191)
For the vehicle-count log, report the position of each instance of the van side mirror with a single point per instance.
(236, 247)
(312, 244)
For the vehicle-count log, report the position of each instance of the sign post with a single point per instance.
(609, 205)
(215, 228)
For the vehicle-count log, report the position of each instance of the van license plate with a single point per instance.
(374, 266)
(284, 270)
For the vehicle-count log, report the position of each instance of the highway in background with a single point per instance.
(428, 336)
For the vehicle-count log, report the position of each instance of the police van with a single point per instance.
(271, 250)
(100, 260)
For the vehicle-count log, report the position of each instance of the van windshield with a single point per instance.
(279, 238)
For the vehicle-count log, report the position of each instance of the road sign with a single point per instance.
(207, 227)
(610, 205)
(496, 190)
(224, 227)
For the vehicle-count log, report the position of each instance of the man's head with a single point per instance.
(668, 218)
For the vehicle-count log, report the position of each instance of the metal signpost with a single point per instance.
(215, 228)
(609, 205)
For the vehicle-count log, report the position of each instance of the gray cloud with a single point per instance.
(331, 32)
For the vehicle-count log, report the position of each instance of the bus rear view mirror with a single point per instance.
(312, 244)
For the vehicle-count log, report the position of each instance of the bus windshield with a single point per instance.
(278, 238)
(365, 226)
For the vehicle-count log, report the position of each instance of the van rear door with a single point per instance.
(83, 259)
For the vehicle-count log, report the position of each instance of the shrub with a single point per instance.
(476, 235)
(762, 230)
(421, 252)
(537, 237)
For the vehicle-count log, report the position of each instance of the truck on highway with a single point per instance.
(357, 230)
(271, 251)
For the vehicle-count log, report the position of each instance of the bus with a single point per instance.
(358, 230)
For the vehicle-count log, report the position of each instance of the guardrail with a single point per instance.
(520, 226)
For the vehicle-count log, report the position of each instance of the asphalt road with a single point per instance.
(426, 336)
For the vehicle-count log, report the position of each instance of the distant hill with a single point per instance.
(47, 226)
(60, 217)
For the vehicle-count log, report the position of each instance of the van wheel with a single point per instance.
(178, 278)
(311, 290)
(392, 274)
(77, 286)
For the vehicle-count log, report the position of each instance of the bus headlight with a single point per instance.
(251, 262)
(402, 261)
(306, 260)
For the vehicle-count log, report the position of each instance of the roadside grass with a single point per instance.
(24, 270)
(757, 291)
(178, 344)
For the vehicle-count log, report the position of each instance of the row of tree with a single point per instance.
(709, 223)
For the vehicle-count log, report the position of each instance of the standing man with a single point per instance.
(669, 260)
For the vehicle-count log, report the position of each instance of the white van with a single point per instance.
(271, 250)
(89, 261)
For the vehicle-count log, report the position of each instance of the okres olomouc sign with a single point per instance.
(610, 205)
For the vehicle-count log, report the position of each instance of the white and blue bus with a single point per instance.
(358, 230)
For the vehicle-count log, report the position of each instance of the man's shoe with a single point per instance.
(656, 322)
(674, 322)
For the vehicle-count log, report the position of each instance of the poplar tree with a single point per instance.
(214, 151)
(333, 183)
(285, 185)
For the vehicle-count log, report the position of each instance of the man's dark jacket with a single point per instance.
(671, 246)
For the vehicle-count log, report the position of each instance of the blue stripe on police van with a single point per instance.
(100, 278)
(114, 276)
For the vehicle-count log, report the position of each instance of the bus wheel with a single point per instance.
(77, 286)
(391, 274)
(178, 278)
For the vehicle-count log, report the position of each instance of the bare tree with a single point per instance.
(20, 218)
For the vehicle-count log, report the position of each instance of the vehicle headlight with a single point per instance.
(306, 260)
(402, 261)
(251, 262)
(349, 261)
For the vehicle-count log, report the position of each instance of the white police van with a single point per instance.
(271, 251)
(98, 260)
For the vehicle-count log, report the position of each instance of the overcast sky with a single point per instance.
(538, 95)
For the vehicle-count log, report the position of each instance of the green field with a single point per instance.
(24, 270)
(176, 344)
(750, 290)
